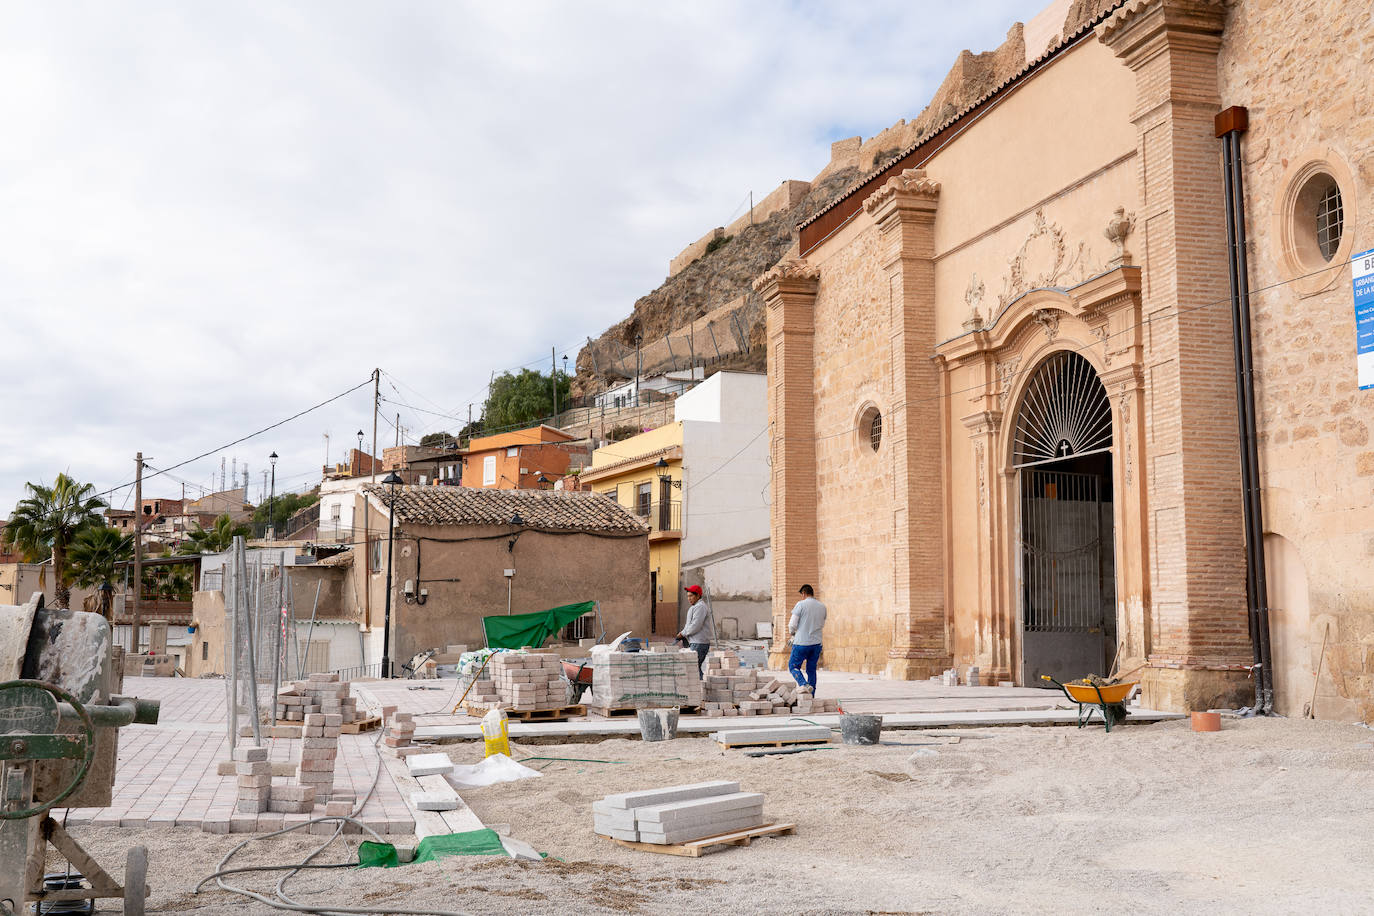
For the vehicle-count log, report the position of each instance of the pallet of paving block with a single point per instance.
(362, 725)
(697, 848)
(552, 714)
(611, 712)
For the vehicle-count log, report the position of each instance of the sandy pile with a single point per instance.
(1265, 816)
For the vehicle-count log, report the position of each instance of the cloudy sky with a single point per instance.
(215, 215)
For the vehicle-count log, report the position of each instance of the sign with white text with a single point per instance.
(1362, 278)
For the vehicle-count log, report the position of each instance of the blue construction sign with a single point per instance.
(1362, 278)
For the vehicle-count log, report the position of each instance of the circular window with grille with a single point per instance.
(870, 429)
(1313, 215)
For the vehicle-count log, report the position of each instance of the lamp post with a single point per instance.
(391, 480)
(272, 499)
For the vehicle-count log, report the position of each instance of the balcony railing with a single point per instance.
(662, 516)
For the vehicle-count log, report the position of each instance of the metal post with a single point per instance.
(386, 619)
(309, 633)
(138, 552)
(252, 647)
(231, 642)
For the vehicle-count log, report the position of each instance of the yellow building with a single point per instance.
(644, 474)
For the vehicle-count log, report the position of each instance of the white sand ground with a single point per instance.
(1271, 816)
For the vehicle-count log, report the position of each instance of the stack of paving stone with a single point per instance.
(319, 750)
(320, 693)
(288, 799)
(254, 773)
(483, 692)
(730, 691)
(528, 680)
(400, 731)
(646, 679)
(678, 814)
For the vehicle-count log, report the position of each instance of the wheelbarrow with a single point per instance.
(579, 674)
(1109, 699)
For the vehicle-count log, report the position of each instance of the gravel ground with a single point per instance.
(1267, 816)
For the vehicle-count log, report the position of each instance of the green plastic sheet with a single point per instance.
(516, 630)
(470, 843)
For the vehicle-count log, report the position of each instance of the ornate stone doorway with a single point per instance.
(1061, 453)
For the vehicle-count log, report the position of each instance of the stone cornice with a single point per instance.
(1140, 29)
(791, 276)
(912, 189)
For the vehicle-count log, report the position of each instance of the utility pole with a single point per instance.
(138, 549)
(553, 379)
(372, 478)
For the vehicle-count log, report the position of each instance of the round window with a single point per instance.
(871, 428)
(1318, 220)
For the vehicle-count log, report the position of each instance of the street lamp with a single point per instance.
(663, 476)
(392, 481)
(272, 497)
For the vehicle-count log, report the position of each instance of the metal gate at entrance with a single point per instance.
(1062, 450)
(1068, 585)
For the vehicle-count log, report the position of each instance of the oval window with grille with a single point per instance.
(1065, 412)
(871, 428)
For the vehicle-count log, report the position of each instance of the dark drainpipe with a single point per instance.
(1230, 124)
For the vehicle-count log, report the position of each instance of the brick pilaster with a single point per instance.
(1200, 637)
(789, 295)
(904, 211)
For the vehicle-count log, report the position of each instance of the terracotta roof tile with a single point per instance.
(548, 509)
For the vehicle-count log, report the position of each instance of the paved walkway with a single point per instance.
(167, 773)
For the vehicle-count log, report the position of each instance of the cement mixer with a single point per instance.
(59, 720)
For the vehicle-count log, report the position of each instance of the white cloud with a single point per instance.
(214, 215)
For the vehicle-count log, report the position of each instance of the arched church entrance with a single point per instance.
(1062, 456)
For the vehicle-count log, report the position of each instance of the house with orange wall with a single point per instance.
(516, 460)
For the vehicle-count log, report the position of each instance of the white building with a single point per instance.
(726, 497)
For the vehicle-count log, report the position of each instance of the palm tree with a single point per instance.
(215, 539)
(95, 556)
(46, 522)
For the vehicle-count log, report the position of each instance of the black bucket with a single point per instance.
(858, 729)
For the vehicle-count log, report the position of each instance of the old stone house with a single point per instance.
(1003, 380)
(460, 554)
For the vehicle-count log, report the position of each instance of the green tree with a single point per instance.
(518, 400)
(46, 522)
(436, 440)
(95, 557)
(166, 583)
(275, 512)
(217, 538)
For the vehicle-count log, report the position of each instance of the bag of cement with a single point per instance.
(496, 733)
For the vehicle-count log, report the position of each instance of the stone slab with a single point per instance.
(697, 809)
(670, 794)
(429, 765)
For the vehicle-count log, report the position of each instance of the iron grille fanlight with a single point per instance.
(1064, 413)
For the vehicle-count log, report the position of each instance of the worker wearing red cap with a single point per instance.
(700, 629)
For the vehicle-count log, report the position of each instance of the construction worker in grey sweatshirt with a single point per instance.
(700, 629)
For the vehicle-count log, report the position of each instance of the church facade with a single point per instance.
(1007, 430)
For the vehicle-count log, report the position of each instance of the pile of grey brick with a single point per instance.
(526, 680)
(678, 814)
(645, 679)
(319, 751)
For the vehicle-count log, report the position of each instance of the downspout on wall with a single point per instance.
(1230, 125)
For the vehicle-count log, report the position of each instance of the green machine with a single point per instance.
(59, 721)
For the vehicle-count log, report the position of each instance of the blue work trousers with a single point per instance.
(809, 656)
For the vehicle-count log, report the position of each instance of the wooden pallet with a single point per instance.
(785, 742)
(554, 714)
(701, 847)
(611, 712)
(361, 725)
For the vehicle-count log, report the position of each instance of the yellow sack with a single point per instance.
(495, 731)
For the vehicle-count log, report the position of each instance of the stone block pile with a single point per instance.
(320, 693)
(400, 731)
(254, 772)
(678, 814)
(524, 680)
(319, 751)
(645, 680)
(733, 690)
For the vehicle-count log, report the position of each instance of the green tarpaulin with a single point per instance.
(516, 630)
(471, 843)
